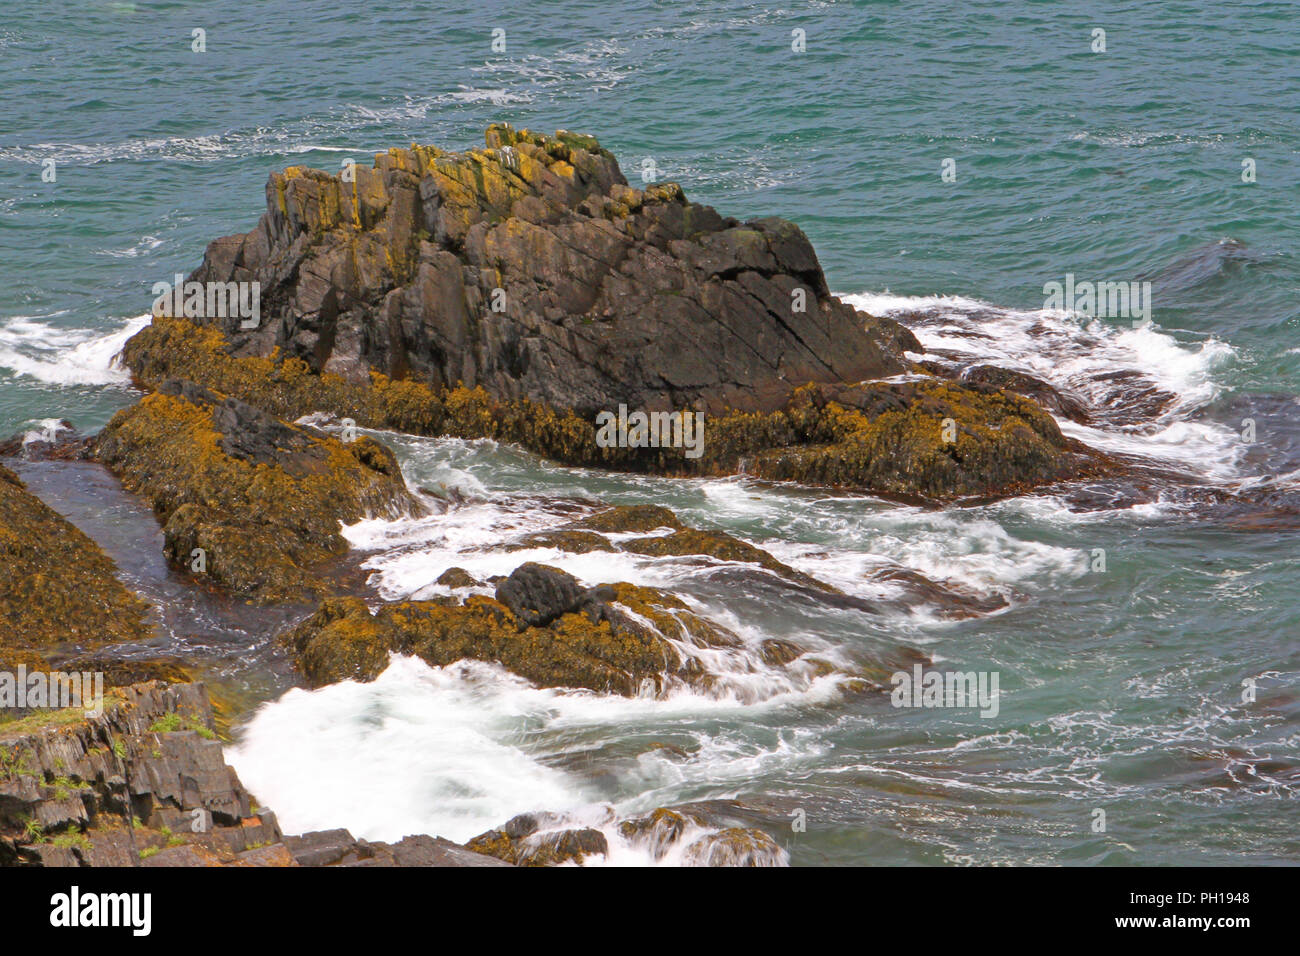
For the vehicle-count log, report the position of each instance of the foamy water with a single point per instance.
(33, 347)
(458, 750)
(1080, 356)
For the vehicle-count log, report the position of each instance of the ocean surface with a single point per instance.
(1121, 689)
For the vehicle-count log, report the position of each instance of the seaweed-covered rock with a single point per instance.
(657, 831)
(990, 378)
(709, 833)
(596, 645)
(735, 846)
(248, 502)
(927, 437)
(699, 834)
(458, 578)
(630, 518)
(57, 587)
(890, 436)
(523, 841)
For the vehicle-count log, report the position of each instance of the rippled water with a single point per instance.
(1120, 690)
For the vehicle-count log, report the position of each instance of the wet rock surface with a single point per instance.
(992, 378)
(703, 834)
(609, 639)
(532, 839)
(248, 503)
(59, 592)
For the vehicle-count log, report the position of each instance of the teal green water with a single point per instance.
(1122, 690)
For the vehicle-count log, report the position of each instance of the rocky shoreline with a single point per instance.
(514, 292)
(146, 784)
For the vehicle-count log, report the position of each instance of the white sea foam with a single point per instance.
(454, 751)
(59, 356)
(419, 750)
(968, 549)
(1099, 363)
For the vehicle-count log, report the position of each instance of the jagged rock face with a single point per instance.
(145, 783)
(531, 268)
(124, 787)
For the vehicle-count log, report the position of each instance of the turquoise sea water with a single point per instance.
(1121, 689)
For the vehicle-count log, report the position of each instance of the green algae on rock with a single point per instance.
(57, 587)
(247, 502)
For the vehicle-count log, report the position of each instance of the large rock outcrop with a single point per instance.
(248, 503)
(519, 291)
(533, 269)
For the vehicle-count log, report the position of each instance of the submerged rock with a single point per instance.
(248, 502)
(523, 842)
(57, 587)
(588, 534)
(735, 846)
